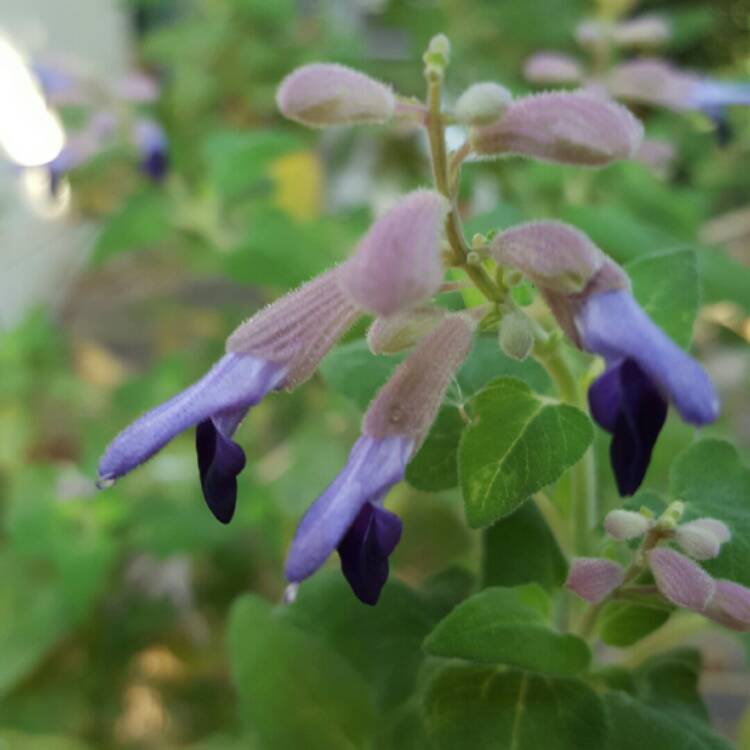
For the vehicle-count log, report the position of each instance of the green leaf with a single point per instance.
(712, 481)
(434, 467)
(517, 443)
(352, 369)
(382, 643)
(53, 566)
(520, 549)
(670, 680)
(667, 287)
(283, 252)
(623, 624)
(486, 362)
(635, 725)
(10, 740)
(508, 626)
(667, 711)
(237, 160)
(142, 221)
(485, 708)
(294, 690)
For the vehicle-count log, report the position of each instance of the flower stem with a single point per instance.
(444, 176)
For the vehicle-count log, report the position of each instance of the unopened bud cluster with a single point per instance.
(678, 578)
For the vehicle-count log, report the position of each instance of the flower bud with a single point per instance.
(515, 335)
(730, 605)
(646, 31)
(398, 264)
(570, 128)
(401, 331)
(592, 33)
(324, 94)
(552, 68)
(553, 255)
(298, 329)
(407, 404)
(681, 580)
(593, 578)
(652, 81)
(702, 538)
(482, 103)
(626, 524)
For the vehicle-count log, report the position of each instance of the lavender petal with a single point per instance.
(234, 383)
(374, 466)
(613, 325)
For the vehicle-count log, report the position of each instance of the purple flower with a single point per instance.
(348, 516)
(279, 347)
(216, 404)
(153, 147)
(589, 294)
(656, 82)
(645, 371)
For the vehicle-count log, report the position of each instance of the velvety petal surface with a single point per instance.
(613, 325)
(220, 460)
(234, 383)
(626, 403)
(374, 466)
(365, 549)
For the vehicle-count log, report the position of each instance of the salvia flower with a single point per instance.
(570, 128)
(153, 147)
(349, 516)
(553, 69)
(626, 524)
(398, 263)
(680, 580)
(656, 82)
(594, 578)
(279, 347)
(702, 539)
(323, 94)
(590, 296)
(645, 371)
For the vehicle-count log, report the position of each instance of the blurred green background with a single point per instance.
(114, 605)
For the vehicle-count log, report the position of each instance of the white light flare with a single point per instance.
(30, 133)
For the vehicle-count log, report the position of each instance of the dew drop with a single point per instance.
(290, 593)
(105, 482)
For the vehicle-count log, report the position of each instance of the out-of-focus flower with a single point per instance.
(153, 147)
(594, 578)
(349, 516)
(323, 94)
(552, 69)
(280, 347)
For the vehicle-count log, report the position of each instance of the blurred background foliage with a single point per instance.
(114, 606)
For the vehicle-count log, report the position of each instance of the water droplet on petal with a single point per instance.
(290, 593)
(105, 482)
